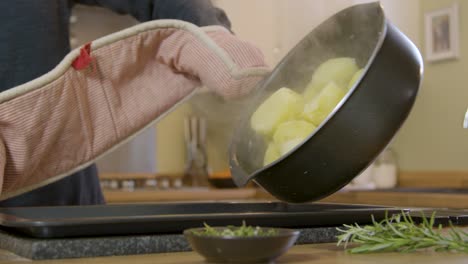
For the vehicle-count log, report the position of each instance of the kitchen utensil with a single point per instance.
(256, 249)
(386, 172)
(465, 120)
(365, 179)
(359, 127)
(196, 171)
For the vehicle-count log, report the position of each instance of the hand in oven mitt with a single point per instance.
(103, 94)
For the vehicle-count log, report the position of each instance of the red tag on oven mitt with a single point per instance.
(63, 121)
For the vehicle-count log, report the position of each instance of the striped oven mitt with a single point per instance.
(103, 94)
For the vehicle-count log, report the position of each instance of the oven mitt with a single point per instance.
(102, 95)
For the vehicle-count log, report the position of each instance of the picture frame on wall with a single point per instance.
(442, 34)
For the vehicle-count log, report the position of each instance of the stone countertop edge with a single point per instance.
(61, 248)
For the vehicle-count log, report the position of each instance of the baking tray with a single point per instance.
(151, 218)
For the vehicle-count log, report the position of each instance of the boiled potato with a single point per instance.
(282, 105)
(289, 145)
(338, 70)
(318, 109)
(355, 78)
(288, 135)
(272, 153)
(285, 119)
(295, 129)
(311, 91)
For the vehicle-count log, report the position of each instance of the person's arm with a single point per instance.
(198, 12)
(102, 95)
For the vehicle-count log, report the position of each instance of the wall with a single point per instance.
(275, 26)
(170, 144)
(300, 17)
(405, 14)
(255, 21)
(433, 138)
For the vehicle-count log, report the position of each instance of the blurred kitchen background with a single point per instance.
(430, 152)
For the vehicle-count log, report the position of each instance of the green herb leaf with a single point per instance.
(399, 233)
(233, 231)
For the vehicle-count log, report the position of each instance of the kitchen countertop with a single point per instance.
(407, 198)
(406, 179)
(417, 198)
(327, 253)
(185, 194)
(401, 199)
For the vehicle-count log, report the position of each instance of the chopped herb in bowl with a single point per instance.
(236, 231)
(251, 244)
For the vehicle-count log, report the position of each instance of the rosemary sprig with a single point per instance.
(399, 233)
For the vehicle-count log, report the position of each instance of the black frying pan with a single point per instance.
(361, 125)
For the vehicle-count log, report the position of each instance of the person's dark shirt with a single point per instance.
(34, 38)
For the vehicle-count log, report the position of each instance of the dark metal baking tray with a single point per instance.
(151, 218)
(444, 216)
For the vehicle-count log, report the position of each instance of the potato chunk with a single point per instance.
(272, 153)
(286, 118)
(355, 77)
(289, 145)
(295, 129)
(337, 70)
(318, 109)
(283, 105)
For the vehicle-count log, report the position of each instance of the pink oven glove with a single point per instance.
(102, 95)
